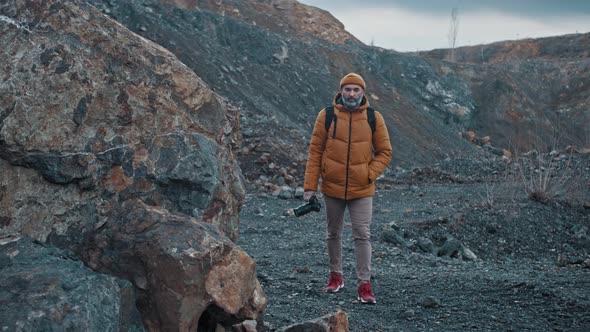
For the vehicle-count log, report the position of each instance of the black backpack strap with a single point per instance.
(371, 119)
(330, 116)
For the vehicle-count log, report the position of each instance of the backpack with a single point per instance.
(330, 116)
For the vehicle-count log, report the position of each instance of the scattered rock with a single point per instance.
(299, 192)
(408, 314)
(245, 326)
(395, 237)
(430, 302)
(332, 322)
(286, 192)
(304, 269)
(426, 245)
(468, 255)
(450, 248)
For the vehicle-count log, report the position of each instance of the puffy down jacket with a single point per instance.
(343, 156)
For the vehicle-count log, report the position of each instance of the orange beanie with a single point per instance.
(353, 78)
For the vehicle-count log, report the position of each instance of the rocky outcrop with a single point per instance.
(288, 17)
(99, 126)
(530, 93)
(43, 289)
(87, 104)
(188, 276)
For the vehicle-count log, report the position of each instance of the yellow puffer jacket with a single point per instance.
(344, 160)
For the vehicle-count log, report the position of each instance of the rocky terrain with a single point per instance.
(149, 149)
(454, 249)
(279, 79)
(279, 83)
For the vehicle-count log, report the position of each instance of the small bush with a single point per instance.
(544, 176)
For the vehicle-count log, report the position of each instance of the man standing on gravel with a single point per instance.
(349, 149)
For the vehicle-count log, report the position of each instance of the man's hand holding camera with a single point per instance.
(313, 204)
(308, 194)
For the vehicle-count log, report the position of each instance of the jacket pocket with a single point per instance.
(366, 172)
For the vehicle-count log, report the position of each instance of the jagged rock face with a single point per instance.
(529, 104)
(530, 93)
(42, 289)
(106, 116)
(188, 275)
(108, 146)
(283, 16)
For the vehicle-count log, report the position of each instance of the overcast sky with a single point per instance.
(411, 25)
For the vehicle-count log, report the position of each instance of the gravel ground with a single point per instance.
(532, 271)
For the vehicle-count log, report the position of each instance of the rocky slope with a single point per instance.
(530, 93)
(280, 79)
(106, 136)
(280, 82)
(567, 47)
(282, 16)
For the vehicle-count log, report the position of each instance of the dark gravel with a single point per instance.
(532, 271)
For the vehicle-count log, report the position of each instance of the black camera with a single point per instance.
(312, 205)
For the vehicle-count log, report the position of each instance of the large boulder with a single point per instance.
(106, 115)
(187, 274)
(116, 152)
(43, 289)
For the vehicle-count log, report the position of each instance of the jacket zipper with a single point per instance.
(348, 154)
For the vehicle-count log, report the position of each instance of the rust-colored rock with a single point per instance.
(470, 135)
(115, 151)
(106, 115)
(336, 322)
(188, 275)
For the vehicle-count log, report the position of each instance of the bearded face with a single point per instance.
(352, 102)
(352, 96)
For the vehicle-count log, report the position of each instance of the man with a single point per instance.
(348, 158)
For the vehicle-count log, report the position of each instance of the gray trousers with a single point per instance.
(360, 211)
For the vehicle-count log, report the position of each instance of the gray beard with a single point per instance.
(352, 103)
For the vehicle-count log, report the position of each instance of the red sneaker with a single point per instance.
(336, 283)
(365, 294)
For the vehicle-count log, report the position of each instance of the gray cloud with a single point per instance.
(526, 8)
(412, 25)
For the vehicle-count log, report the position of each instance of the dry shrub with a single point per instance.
(546, 176)
(499, 187)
